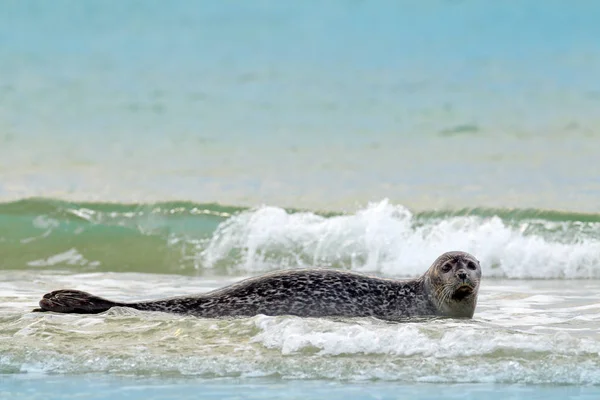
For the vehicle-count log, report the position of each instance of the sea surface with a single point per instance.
(151, 149)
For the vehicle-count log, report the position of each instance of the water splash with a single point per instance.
(389, 239)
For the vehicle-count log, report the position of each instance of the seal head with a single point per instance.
(452, 282)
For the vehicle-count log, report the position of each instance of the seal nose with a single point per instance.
(462, 274)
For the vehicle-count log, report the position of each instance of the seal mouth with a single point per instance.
(462, 291)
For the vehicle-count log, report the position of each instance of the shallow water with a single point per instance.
(177, 147)
(100, 387)
(445, 104)
(524, 332)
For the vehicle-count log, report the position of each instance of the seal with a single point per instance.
(448, 289)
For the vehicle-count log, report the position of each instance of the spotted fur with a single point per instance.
(310, 293)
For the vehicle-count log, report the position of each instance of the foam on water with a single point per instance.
(389, 239)
(382, 238)
(523, 332)
(454, 341)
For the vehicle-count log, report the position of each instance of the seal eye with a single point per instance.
(471, 265)
(446, 267)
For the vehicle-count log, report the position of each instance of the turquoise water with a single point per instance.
(151, 149)
(90, 387)
(310, 105)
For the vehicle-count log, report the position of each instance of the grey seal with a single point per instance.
(448, 289)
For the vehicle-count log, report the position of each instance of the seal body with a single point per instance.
(448, 288)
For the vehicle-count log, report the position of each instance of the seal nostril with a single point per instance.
(462, 275)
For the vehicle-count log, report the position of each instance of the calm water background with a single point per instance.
(175, 147)
(432, 104)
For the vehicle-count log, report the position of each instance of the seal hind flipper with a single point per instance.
(74, 301)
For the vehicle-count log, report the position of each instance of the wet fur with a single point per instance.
(308, 293)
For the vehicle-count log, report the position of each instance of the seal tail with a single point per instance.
(75, 301)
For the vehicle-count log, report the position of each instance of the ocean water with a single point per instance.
(150, 149)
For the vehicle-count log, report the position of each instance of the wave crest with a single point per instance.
(389, 239)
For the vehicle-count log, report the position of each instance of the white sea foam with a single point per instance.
(69, 257)
(389, 239)
(523, 332)
(444, 340)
